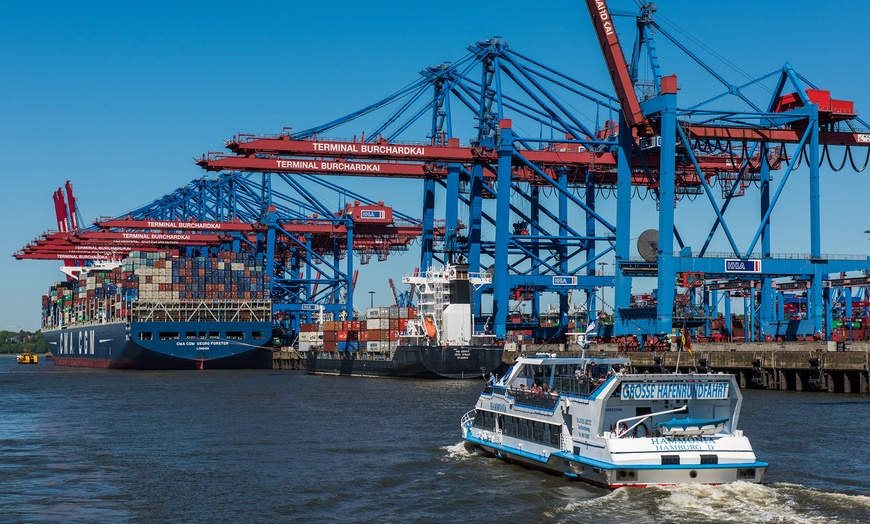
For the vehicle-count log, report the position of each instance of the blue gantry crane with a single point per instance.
(755, 136)
(536, 177)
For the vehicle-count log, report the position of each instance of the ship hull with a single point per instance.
(427, 362)
(163, 345)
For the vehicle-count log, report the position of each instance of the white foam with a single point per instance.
(459, 451)
(730, 503)
(737, 502)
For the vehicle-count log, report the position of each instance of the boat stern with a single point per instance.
(665, 461)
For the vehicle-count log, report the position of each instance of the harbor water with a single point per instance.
(96, 445)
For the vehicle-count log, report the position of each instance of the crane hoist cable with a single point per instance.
(866, 160)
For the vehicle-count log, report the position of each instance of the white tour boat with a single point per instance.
(586, 418)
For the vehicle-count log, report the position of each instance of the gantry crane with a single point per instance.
(528, 167)
(532, 158)
(303, 249)
(798, 114)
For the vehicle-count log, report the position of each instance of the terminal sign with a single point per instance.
(739, 265)
(309, 307)
(564, 281)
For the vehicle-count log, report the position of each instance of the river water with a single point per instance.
(83, 445)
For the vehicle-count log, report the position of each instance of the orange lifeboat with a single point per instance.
(430, 327)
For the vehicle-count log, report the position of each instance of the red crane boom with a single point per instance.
(609, 41)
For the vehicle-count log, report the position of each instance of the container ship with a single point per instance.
(434, 340)
(159, 310)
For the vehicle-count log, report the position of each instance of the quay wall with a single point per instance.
(793, 366)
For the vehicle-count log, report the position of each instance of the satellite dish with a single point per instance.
(648, 245)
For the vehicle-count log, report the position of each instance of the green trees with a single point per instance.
(14, 343)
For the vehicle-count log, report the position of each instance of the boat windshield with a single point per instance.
(580, 378)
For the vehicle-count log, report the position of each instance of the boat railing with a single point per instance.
(582, 387)
(468, 418)
(532, 399)
(201, 311)
(640, 419)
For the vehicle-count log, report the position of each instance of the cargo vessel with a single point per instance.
(593, 420)
(434, 340)
(159, 310)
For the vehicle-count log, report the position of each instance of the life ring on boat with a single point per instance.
(623, 428)
(430, 327)
(645, 430)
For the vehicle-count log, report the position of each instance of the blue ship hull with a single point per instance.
(163, 345)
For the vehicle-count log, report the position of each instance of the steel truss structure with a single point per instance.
(796, 114)
(525, 196)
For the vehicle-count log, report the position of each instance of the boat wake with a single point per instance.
(459, 451)
(735, 502)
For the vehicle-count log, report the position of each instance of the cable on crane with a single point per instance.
(732, 158)
(826, 152)
(747, 157)
(643, 195)
(866, 160)
(801, 157)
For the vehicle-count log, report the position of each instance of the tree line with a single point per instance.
(22, 341)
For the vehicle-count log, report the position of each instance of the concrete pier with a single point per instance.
(287, 359)
(792, 366)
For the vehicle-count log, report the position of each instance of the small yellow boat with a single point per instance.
(28, 358)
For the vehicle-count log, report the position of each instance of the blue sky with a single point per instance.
(119, 97)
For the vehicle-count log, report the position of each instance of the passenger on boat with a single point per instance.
(490, 381)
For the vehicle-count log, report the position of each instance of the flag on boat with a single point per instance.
(687, 340)
(593, 326)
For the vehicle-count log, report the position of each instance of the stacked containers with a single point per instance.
(154, 277)
(378, 333)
